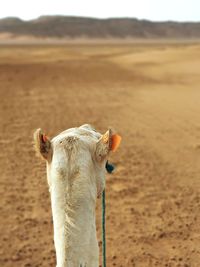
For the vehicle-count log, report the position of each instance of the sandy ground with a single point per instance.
(150, 94)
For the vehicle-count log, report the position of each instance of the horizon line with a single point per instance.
(100, 18)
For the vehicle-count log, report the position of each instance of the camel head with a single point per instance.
(75, 152)
(76, 160)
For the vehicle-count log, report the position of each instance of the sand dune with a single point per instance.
(150, 94)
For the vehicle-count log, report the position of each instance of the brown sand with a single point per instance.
(150, 94)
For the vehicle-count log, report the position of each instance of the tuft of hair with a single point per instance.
(42, 145)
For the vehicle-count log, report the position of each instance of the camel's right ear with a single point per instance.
(42, 144)
(107, 142)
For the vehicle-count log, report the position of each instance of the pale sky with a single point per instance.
(156, 10)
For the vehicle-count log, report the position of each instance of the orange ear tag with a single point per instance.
(115, 142)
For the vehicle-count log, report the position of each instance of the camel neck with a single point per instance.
(74, 228)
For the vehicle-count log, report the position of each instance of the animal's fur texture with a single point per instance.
(76, 161)
(42, 144)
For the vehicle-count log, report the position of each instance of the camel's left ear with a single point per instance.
(108, 142)
(42, 144)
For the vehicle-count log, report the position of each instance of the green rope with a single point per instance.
(104, 228)
(110, 168)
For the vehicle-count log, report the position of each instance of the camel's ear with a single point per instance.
(42, 145)
(108, 142)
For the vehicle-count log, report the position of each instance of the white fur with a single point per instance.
(75, 180)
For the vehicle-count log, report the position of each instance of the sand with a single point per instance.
(149, 93)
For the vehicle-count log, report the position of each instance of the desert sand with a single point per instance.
(150, 94)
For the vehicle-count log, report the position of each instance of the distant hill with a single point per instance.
(75, 27)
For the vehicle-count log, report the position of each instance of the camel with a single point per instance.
(75, 163)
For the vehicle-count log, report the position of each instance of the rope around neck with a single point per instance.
(104, 228)
(110, 168)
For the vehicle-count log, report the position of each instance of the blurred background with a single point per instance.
(131, 65)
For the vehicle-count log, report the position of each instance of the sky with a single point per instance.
(155, 10)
